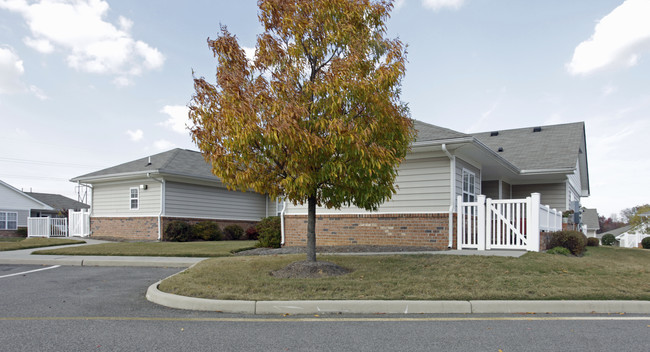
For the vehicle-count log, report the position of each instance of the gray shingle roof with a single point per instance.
(617, 231)
(428, 132)
(176, 161)
(57, 201)
(554, 147)
(590, 218)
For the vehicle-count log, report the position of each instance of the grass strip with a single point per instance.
(603, 274)
(157, 249)
(35, 242)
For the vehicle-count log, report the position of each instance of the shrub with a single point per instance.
(21, 231)
(269, 230)
(574, 241)
(559, 250)
(233, 232)
(207, 231)
(608, 239)
(252, 234)
(593, 242)
(178, 231)
(645, 243)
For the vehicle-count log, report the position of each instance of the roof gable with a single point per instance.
(428, 132)
(554, 147)
(590, 218)
(13, 198)
(177, 161)
(58, 201)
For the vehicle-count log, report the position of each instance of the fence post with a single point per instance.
(533, 223)
(460, 222)
(480, 217)
(488, 223)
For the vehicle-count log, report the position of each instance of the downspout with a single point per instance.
(162, 203)
(452, 193)
(284, 208)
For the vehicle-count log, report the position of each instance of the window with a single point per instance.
(469, 183)
(8, 221)
(135, 198)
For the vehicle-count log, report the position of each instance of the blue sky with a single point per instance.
(89, 84)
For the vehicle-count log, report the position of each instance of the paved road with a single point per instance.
(103, 308)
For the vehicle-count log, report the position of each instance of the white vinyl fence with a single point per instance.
(504, 223)
(77, 224)
(47, 227)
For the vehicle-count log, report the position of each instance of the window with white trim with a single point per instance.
(469, 184)
(135, 198)
(8, 221)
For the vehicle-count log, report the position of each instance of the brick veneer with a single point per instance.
(10, 233)
(430, 230)
(133, 229)
(145, 228)
(222, 223)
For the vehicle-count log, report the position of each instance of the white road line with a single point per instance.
(31, 271)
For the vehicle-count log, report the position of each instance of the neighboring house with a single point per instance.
(444, 164)
(59, 203)
(137, 199)
(631, 236)
(16, 206)
(590, 223)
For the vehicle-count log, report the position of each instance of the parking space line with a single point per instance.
(31, 271)
(306, 319)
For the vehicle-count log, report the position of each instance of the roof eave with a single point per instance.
(113, 177)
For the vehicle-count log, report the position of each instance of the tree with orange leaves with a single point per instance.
(316, 116)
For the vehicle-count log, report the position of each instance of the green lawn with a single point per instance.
(604, 273)
(157, 249)
(14, 243)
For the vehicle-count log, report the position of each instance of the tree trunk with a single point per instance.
(311, 229)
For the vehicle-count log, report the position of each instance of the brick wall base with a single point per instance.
(222, 223)
(423, 230)
(125, 229)
(144, 228)
(10, 233)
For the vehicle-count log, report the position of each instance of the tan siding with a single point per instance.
(194, 201)
(113, 199)
(422, 187)
(553, 194)
(460, 165)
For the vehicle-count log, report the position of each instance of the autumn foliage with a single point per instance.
(316, 115)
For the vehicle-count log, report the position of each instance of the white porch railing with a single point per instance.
(47, 227)
(504, 223)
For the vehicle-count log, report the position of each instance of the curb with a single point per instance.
(159, 262)
(392, 307)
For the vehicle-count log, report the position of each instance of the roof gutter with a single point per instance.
(162, 203)
(452, 193)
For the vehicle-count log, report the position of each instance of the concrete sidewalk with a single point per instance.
(25, 256)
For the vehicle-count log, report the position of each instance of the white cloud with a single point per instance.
(608, 90)
(122, 81)
(92, 44)
(437, 5)
(398, 4)
(250, 53)
(41, 45)
(38, 93)
(163, 144)
(11, 68)
(135, 135)
(178, 118)
(618, 40)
